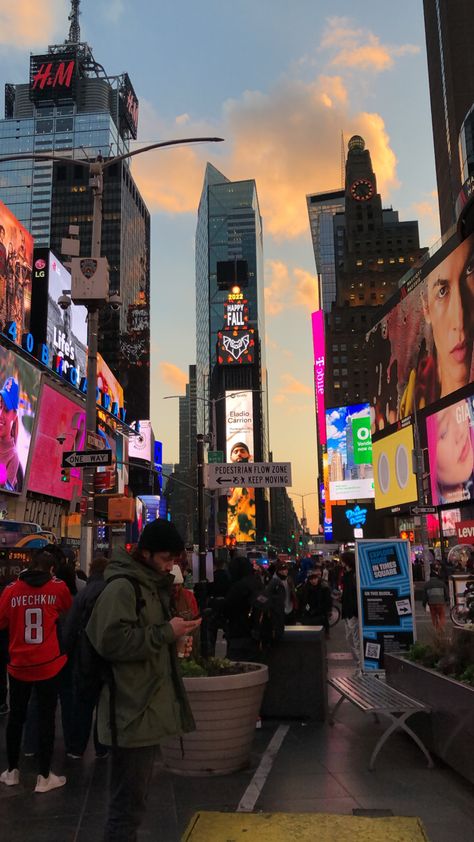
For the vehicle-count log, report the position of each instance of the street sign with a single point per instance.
(423, 510)
(215, 456)
(94, 440)
(247, 475)
(86, 458)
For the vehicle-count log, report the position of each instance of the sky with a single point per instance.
(281, 83)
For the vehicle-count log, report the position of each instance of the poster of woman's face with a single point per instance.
(423, 347)
(19, 389)
(450, 434)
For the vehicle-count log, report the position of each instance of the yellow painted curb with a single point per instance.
(301, 827)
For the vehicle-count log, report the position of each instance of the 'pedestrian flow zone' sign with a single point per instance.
(247, 475)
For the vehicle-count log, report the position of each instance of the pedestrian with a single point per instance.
(349, 606)
(74, 627)
(30, 609)
(435, 595)
(140, 645)
(245, 587)
(281, 590)
(315, 601)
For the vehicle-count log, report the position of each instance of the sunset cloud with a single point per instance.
(360, 48)
(26, 23)
(285, 288)
(292, 386)
(174, 376)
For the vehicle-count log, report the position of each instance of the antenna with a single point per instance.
(343, 161)
(74, 29)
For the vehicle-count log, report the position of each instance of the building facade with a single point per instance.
(322, 208)
(229, 240)
(71, 108)
(449, 30)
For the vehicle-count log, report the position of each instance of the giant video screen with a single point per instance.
(66, 329)
(422, 349)
(61, 428)
(394, 478)
(19, 388)
(450, 436)
(241, 516)
(349, 453)
(16, 260)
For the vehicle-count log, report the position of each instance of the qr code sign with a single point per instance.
(372, 650)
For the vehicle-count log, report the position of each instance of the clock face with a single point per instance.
(362, 189)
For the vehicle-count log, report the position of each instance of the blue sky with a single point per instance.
(279, 82)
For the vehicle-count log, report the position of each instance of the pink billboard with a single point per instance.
(61, 427)
(450, 433)
(319, 349)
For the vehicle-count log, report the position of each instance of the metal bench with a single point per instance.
(372, 695)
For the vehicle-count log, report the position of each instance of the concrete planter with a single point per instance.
(225, 708)
(449, 731)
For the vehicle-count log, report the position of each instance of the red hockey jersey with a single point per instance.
(29, 609)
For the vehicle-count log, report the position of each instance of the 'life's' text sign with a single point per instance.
(247, 474)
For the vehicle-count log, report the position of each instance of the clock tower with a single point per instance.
(364, 220)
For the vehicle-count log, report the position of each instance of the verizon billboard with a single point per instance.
(465, 532)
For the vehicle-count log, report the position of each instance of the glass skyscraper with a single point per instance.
(322, 208)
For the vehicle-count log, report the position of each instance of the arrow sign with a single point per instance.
(86, 458)
(423, 510)
(247, 475)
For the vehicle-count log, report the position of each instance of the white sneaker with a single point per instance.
(51, 782)
(10, 778)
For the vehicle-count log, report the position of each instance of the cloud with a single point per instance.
(360, 48)
(295, 387)
(113, 10)
(285, 288)
(29, 24)
(427, 213)
(287, 140)
(174, 376)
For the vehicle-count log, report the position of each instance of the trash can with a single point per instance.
(297, 686)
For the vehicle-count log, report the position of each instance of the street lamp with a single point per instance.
(303, 513)
(96, 182)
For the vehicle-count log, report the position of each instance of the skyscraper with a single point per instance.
(322, 208)
(229, 293)
(449, 29)
(71, 108)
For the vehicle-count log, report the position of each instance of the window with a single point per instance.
(64, 124)
(44, 126)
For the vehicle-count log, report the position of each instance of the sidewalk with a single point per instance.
(317, 768)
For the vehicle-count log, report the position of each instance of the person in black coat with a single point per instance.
(349, 605)
(239, 600)
(315, 601)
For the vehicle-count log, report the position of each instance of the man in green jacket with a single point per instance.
(150, 700)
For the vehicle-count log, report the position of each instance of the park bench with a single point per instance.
(372, 695)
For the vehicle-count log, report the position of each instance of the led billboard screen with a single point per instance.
(421, 349)
(108, 383)
(141, 446)
(235, 347)
(394, 478)
(347, 521)
(319, 352)
(450, 435)
(241, 521)
(19, 388)
(349, 450)
(16, 259)
(61, 427)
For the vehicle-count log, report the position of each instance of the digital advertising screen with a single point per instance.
(63, 331)
(349, 450)
(61, 427)
(450, 436)
(394, 478)
(421, 349)
(112, 479)
(357, 520)
(386, 599)
(107, 382)
(141, 446)
(319, 353)
(241, 518)
(16, 261)
(236, 347)
(19, 389)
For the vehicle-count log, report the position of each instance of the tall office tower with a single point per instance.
(373, 249)
(71, 108)
(449, 29)
(180, 492)
(187, 422)
(230, 332)
(322, 208)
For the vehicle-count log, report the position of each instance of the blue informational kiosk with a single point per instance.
(386, 599)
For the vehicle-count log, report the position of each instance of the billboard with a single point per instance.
(64, 331)
(355, 521)
(421, 350)
(241, 518)
(61, 427)
(349, 451)
(108, 383)
(386, 599)
(16, 259)
(394, 478)
(53, 76)
(111, 479)
(319, 352)
(19, 388)
(235, 347)
(450, 436)
(141, 446)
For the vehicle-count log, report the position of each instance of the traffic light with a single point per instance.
(292, 536)
(265, 539)
(300, 542)
(65, 475)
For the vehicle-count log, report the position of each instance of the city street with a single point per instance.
(316, 769)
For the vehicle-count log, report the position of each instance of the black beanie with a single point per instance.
(161, 536)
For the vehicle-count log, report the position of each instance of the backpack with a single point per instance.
(91, 670)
